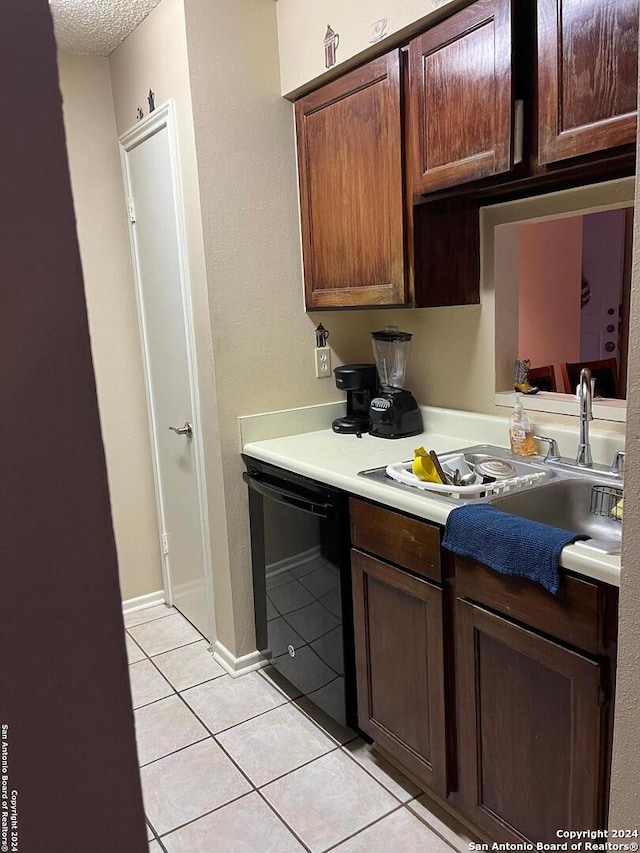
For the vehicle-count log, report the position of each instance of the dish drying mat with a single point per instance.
(402, 473)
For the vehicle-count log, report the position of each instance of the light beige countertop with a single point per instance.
(336, 460)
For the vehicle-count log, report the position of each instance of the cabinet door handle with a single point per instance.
(518, 132)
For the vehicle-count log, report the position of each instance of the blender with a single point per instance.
(393, 411)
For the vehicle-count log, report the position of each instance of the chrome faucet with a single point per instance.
(586, 414)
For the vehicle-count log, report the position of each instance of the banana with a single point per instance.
(617, 511)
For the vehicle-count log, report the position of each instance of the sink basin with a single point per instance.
(565, 504)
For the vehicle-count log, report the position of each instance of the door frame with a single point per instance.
(164, 117)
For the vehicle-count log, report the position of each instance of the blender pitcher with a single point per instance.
(391, 352)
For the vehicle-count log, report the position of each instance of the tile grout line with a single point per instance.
(205, 814)
(173, 752)
(208, 730)
(256, 789)
(156, 837)
(173, 688)
(160, 698)
(173, 649)
(161, 845)
(280, 818)
(336, 748)
(294, 701)
(362, 767)
(432, 828)
(316, 723)
(137, 645)
(237, 765)
(216, 742)
(290, 701)
(368, 826)
(155, 618)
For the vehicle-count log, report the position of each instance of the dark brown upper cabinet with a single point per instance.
(587, 76)
(350, 161)
(461, 98)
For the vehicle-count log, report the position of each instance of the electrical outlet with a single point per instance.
(323, 362)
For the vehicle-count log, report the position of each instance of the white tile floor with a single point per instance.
(246, 765)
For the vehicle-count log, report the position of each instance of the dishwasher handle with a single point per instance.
(287, 497)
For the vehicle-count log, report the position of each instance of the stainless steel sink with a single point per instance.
(566, 503)
(562, 499)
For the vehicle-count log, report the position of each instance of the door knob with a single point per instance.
(187, 430)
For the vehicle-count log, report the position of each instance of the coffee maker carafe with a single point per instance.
(360, 381)
(394, 411)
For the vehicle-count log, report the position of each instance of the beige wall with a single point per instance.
(302, 27)
(549, 291)
(104, 249)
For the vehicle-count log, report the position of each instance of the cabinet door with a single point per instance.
(529, 730)
(351, 189)
(461, 97)
(587, 76)
(400, 666)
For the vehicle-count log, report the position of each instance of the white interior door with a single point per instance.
(603, 246)
(155, 207)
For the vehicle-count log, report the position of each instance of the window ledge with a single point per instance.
(564, 404)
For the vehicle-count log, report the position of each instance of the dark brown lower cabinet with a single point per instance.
(400, 666)
(529, 728)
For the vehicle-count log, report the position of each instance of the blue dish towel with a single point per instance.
(507, 543)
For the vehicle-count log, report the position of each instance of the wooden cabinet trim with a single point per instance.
(408, 542)
(356, 297)
(431, 769)
(573, 616)
(584, 676)
(354, 81)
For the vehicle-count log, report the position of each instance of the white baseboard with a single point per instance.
(151, 599)
(237, 666)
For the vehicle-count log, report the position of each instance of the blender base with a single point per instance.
(395, 415)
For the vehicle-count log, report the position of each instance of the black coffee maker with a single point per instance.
(360, 381)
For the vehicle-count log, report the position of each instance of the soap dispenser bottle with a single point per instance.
(521, 431)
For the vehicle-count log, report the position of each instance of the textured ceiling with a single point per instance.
(96, 26)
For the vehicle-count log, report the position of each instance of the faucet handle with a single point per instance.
(617, 466)
(552, 451)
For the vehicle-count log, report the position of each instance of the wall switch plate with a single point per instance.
(323, 362)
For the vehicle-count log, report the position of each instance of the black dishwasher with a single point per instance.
(302, 584)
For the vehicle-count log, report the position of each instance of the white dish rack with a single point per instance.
(402, 473)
